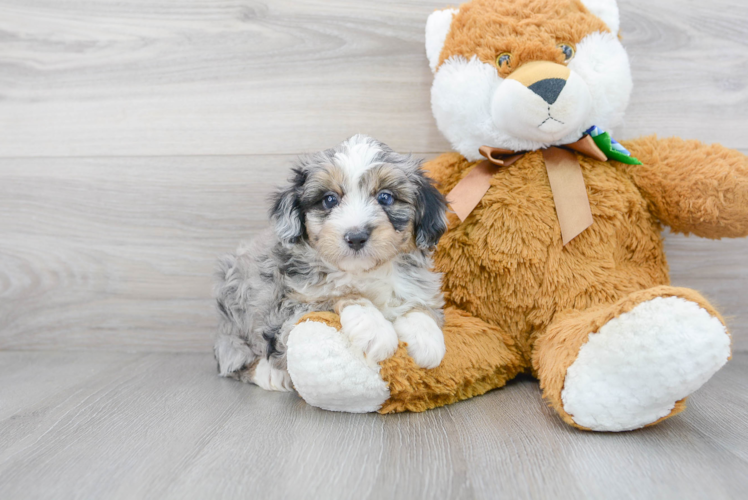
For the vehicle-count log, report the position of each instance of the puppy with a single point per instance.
(353, 234)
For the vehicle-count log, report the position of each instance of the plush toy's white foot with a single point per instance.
(633, 371)
(330, 373)
(271, 379)
(370, 331)
(424, 338)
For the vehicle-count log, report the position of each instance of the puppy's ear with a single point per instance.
(431, 217)
(286, 213)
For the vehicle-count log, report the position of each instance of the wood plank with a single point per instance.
(124, 248)
(665, 461)
(211, 77)
(125, 424)
(118, 253)
(675, 93)
(718, 269)
(33, 378)
(143, 77)
(165, 426)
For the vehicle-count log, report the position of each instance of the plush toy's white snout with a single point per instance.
(541, 101)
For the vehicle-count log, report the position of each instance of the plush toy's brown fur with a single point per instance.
(517, 299)
(520, 301)
(529, 30)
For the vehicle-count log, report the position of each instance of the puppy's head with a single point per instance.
(359, 204)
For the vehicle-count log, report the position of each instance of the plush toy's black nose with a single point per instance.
(548, 89)
(356, 239)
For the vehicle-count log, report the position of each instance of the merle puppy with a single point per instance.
(353, 234)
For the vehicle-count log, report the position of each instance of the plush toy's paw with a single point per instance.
(633, 371)
(424, 338)
(369, 330)
(270, 378)
(329, 373)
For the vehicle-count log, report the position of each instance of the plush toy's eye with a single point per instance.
(329, 201)
(503, 60)
(385, 198)
(568, 51)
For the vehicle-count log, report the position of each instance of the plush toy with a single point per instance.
(553, 263)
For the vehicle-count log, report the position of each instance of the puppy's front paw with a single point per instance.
(370, 331)
(424, 338)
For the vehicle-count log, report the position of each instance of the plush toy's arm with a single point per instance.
(445, 170)
(693, 187)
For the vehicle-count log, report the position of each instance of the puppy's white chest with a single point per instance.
(377, 285)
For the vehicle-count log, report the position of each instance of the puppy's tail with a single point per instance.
(231, 351)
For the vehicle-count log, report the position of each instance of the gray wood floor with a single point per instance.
(115, 425)
(138, 141)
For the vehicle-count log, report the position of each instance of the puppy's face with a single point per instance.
(359, 205)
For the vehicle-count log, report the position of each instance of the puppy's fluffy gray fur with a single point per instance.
(304, 263)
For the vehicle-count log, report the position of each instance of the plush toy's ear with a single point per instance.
(286, 213)
(607, 10)
(437, 28)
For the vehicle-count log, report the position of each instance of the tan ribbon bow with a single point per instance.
(564, 174)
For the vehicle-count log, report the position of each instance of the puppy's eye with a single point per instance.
(568, 51)
(385, 198)
(329, 201)
(503, 60)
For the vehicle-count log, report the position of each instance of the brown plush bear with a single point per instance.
(553, 262)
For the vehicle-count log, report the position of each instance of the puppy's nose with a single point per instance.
(548, 89)
(356, 239)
